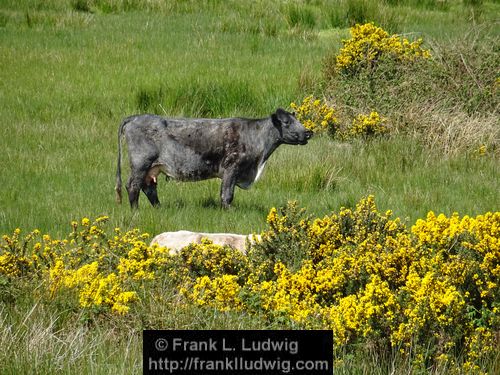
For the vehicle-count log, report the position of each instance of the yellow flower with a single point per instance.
(315, 114)
(368, 124)
(369, 43)
(429, 290)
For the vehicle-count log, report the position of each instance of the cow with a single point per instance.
(175, 241)
(232, 149)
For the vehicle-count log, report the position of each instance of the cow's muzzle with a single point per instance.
(307, 135)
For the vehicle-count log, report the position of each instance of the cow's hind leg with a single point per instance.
(137, 182)
(134, 186)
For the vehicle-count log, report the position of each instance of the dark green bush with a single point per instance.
(200, 99)
(301, 17)
(81, 5)
(461, 74)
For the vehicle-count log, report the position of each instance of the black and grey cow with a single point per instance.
(232, 149)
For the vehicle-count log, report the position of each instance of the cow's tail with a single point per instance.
(118, 186)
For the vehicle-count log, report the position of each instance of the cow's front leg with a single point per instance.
(227, 189)
(152, 194)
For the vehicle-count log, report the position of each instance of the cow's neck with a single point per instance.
(270, 138)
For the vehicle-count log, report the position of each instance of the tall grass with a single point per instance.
(39, 342)
(201, 98)
(67, 87)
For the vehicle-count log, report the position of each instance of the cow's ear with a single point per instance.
(275, 119)
(281, 116)
(281, 112)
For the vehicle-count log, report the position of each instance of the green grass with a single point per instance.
(70, 71)
(65, 93)
(321, 176)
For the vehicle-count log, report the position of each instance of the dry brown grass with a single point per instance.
(453, 132)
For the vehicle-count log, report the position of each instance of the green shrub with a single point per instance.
(421, 95)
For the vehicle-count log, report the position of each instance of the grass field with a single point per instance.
(71, 70)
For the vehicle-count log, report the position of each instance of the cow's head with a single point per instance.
(292, 132)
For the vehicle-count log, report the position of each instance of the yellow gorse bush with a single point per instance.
(369, 44)
(99, 270)
(430, 291)
(368, 125)
(316, 115)
(221, 292)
